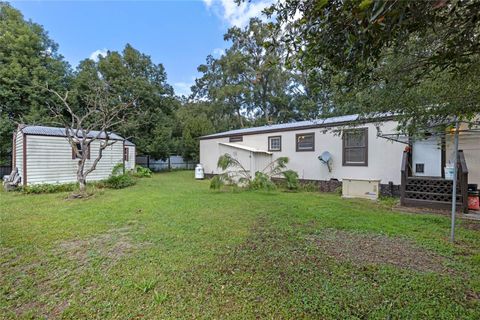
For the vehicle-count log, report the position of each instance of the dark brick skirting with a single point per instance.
(389, 190)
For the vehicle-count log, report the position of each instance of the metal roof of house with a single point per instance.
(60, 132)
(243, 147)
(317, 123)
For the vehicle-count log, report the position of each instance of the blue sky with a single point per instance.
(179, 34)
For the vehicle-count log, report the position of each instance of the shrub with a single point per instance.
(261, 182)
(118, 169)
(119, 181)
(339, 190)
(49, 188)
(142, 172)
(236, 175)
(291, 179)
(216, 183)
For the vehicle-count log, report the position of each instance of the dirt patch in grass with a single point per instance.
(471, 225)
(111, 245)
(365, 249)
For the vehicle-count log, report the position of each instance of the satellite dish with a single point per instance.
(326, 157)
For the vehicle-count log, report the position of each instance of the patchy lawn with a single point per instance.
(171, 248)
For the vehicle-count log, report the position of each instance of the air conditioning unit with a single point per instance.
(358, 188)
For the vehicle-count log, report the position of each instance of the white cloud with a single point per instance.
(100, 52)
(218, 52)
(208, 3)
(182, 88)
(237, 15)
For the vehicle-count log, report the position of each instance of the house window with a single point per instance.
(305, 142)
(78, 145)
(236, 139)
(125, 153)
(420, 168)
(355, 147)
(275, 143)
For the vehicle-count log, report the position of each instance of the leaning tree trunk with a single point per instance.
(81, 178)
(82, 184)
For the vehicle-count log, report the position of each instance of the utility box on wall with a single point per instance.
(357, 188)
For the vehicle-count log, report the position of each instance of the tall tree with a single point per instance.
(251, 84)
(101, 111)
(401, 51)
(29, 59)
(195, 121)
(133, 74)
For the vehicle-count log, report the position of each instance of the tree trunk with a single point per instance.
(240, 118)
(81, 178)
(82, 184)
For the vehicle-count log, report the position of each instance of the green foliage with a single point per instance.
(216, 183)
(48, 188)
(118, 169)
(415, 59)
(235, 174)
(339, 191)
(141, 172)
(261, 181)
(251, 80)
(291, 179)
(195, 121)
(119, 181)
(293, 251)
(28, 60)
(146, 285)
(131, 73)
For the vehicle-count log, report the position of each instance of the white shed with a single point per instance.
(44, 155)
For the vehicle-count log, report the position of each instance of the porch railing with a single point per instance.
(462, 178)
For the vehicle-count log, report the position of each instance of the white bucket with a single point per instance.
(449, 173)
(199, 175)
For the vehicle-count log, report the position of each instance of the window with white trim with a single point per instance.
(355, 147)
(275, 143)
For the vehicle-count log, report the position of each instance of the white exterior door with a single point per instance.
(427, 157)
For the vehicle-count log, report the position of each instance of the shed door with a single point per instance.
(427, 157)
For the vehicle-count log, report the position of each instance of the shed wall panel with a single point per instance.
(19, 153)
(49, 160)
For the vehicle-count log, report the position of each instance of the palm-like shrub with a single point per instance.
(236, 174)
(291, 179)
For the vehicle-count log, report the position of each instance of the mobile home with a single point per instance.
(358, 150)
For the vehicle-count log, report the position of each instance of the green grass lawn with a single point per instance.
(170, 247)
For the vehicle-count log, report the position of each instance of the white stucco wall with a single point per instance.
(429, 152)
(384, 156)
(49, 160)
(470, 144)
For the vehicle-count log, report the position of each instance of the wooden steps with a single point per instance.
(430, 192)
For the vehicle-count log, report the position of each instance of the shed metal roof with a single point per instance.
(242, 147)
(326, 122)
(129, 143)
(60, 132)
